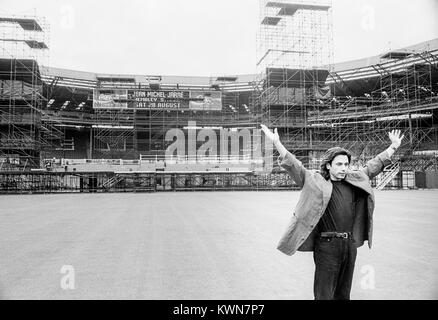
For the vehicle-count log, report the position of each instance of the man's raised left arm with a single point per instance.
(376, 165)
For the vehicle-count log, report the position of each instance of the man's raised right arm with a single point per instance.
(286, 160)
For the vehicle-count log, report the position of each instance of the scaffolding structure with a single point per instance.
(122, 130)
(399, 91)
(64, 115)
(315, 106)
(113, 126)
(294, 34)
(23, 46)
(294, 56)
(25, 37)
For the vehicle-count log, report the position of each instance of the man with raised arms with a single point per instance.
(334, 215)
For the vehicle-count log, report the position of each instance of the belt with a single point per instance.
(332, 234)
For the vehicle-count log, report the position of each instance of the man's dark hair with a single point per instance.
(328, 157)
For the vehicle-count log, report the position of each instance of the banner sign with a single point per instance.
(110, 99)
(205, 100)
(158, 100)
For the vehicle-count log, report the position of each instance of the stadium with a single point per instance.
(72, 131)
(106, 132)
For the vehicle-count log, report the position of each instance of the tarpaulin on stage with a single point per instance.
(285, 95)
(322, 92)
(298, 78)
(26, 70)
(431, 179)
(18, 89)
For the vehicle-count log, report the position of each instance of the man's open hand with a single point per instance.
(395, 138)
(273, 136)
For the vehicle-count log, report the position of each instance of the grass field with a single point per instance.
(201, 246)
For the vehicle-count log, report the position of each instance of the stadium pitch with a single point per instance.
(199, 245)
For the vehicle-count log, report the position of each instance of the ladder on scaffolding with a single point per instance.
(387, 175)
(112, 181)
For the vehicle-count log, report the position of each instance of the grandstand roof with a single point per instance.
(90, 76)
(89, 79)
(394, 54)
(349, 70)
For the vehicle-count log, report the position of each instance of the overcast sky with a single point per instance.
(207, 37)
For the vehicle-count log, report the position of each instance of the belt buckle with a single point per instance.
(344, 235)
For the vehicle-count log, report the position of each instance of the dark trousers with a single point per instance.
(334, 265)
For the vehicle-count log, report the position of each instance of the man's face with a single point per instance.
(338, 168)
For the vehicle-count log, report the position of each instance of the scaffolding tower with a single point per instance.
(294, 34)
(293, 60)
(23, 46)
(316, 107)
